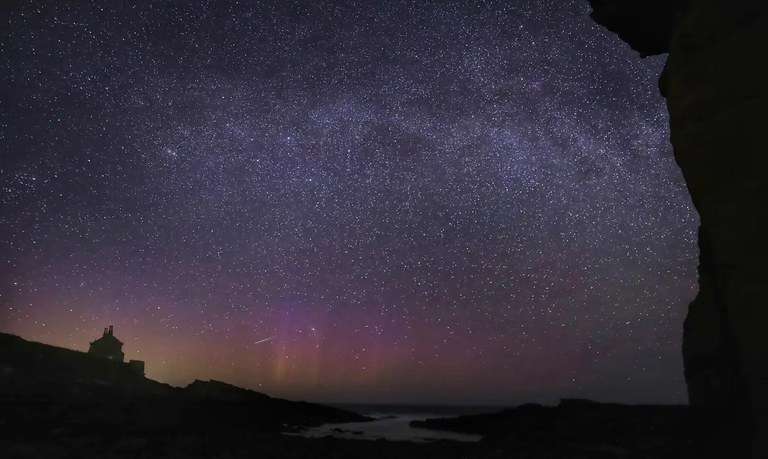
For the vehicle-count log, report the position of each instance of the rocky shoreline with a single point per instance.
(59, 403)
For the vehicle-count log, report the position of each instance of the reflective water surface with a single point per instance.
(389, 426)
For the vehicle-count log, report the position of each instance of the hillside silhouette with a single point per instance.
(89, 392)
(58, 401)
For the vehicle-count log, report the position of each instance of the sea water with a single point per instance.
(394, 425)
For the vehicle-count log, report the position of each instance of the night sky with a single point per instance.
(436, 202)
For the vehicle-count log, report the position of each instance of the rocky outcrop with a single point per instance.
(596, 429)
(715, 82)
(647, 26)
(46, 389)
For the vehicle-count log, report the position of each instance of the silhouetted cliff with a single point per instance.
(715, 85)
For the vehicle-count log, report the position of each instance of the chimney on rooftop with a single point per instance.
(105, 331)
(110, 329)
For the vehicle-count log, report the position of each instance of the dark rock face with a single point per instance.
(591, 428)
(647, 25)
(716, 82)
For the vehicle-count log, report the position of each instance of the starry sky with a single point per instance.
(401, 201)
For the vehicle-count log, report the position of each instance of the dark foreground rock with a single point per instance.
(541, 434)
(580, 425)
(46, 389)
(715, 85)
(58, 403)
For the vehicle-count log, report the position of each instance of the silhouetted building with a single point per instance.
(137, 366)
(108, 346)
(111, 348)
